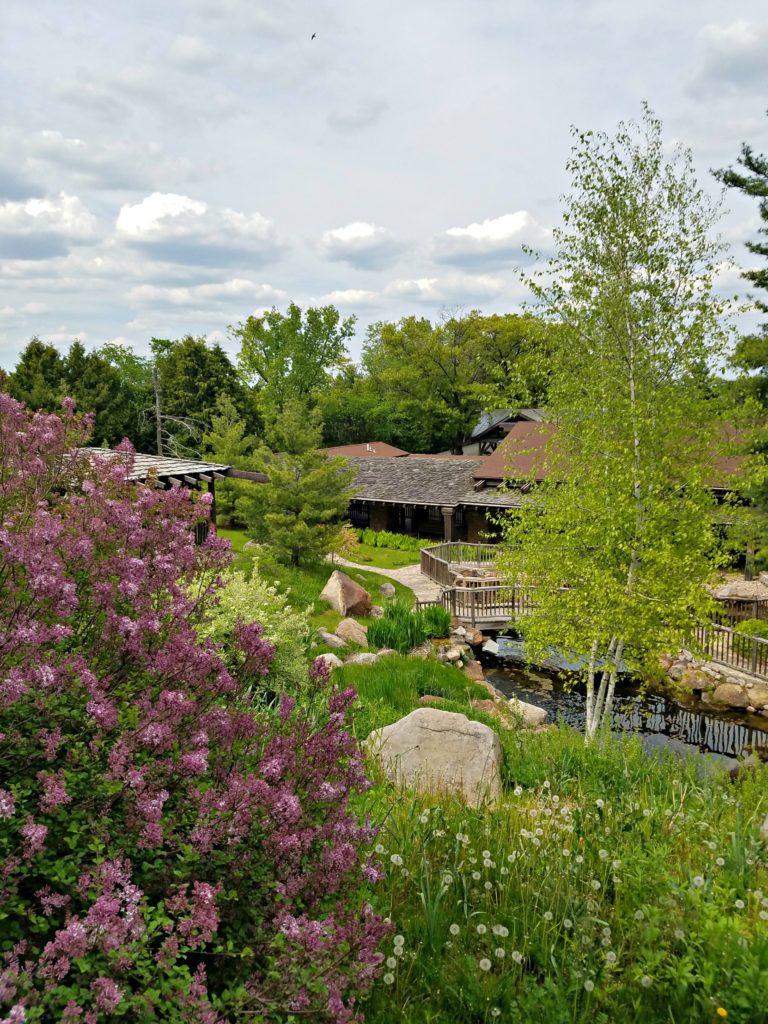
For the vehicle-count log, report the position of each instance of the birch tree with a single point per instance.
(619, 538)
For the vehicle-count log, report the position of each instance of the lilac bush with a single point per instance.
(169, 849)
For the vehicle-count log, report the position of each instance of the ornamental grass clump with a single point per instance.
(401, 628)
(170, 848)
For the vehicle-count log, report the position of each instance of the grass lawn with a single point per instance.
(304, 583)
(383, 558)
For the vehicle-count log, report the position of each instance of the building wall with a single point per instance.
(378, 517)
(476, 525)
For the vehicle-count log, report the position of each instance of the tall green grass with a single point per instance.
(402, 629)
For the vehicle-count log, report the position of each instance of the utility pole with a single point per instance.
(158, 412)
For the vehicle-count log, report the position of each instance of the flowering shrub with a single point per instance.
(254, 600)
(165, 852)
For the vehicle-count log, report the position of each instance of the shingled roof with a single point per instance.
(161, 465)
(424, 481)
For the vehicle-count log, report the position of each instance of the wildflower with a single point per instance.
(698, 881)
(518, 790)
(454, 929)
(423, 818)
(606, 932)
(739, 904)
(486, 854)
(645, 981)
(447, 879)
(397, 860)
(712, 844)
(379, 848)
(605, 941)
(602, 854)
(548, 915)
(616, 864)
(600, 803)
(405, 873)
(481, 929)
(589, 985)
(399, 940)
(487, 863)
(639, 915)
(499, 952)
(388, 979)
(566, 852)
(646, 812)
(504, 870)
(484, 964)
(579, 859)
(610, 957)
(476, 876)
(500, 930)
(556, 799)
(398, 950)
(495, 1011)
(595, 884)
(763, 915)
(679, 934)
(567, 923)
(391, 962)
(488, 886)
(721, 1011)
(517, 956)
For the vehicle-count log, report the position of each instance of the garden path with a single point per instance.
(409, 575)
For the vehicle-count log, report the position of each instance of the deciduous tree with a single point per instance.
(619, 538)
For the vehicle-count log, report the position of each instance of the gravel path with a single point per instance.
(410, 576)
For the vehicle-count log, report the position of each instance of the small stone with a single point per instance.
(425, 650)
(330, 639)
(530, 714)
(751, 710)
(430, 698)
(459, 632)
(377, 612)
(676, 671)
(361, 658)
(351, 631)
(491, 647)
(453, 654)
(475, 671)
(387, 590)
(330, 660)
(490, 707)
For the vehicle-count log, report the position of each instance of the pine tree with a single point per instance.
(300, 512)
(228, 443)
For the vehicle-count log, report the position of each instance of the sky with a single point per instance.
(172, 168)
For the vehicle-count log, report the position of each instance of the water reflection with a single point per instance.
(658, 721)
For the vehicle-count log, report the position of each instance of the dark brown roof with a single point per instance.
(367, 450)
(425, 481)
(520, 456)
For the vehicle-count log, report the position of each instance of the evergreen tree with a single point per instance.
(227, 442)
(300, 512)
(39, 377)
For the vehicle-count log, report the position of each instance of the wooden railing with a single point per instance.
(736, 650)
(440, 562)
(730, 610)
(482, 605)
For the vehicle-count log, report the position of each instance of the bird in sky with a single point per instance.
(313, 36)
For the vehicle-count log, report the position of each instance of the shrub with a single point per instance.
(395, 541)
(743, 633)
(167, 853)
(244, 600)
(401, 628)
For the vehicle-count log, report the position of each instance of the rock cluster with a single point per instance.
(715, 684)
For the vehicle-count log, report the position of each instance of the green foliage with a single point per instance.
(300, 512)
(291, 355)
(745, 630)
(619, 538)
(245, 600)
(402, 628)
(227, 443)
(385, 539)
(606, 886)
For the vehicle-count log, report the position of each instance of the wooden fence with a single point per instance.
(732, 610)
(725, 646)
(441, 563)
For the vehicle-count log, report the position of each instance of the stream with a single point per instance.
(658, 721)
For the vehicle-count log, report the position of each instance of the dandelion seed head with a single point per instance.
(388, 979)
(484, 964)
(589, 985)
(454, 929)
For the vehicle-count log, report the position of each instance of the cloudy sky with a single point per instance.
(170, 168)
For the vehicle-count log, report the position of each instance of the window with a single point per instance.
(359, 514)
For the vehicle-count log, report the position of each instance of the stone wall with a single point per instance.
(716, 684)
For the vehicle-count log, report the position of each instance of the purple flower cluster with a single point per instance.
(150, 809)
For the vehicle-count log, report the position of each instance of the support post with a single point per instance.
(212, 492)
(448, 514)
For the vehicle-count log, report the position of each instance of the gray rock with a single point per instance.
(377, 612)
(330, 660)
(734, 696)
(425, 650)
(491, 647)
(452, 654)
(330, 639)
(387, 590)
(361, 658)
(431, 749)
(352, 632)
(345, 595)
(529, 713)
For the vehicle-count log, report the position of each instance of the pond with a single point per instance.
(659, 721)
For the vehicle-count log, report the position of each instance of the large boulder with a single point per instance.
(345, 595)
(735, 696)
(331, 660)
(431, 749)
(758, 695)
(352, 632)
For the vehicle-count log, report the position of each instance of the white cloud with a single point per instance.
(192, 53)
(349, 297)
(37, 228)
(184, 230)
(361, 244)
(453, 289)
(217, 291)
(732, 57)
(491, 242)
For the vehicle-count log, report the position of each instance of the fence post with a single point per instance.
(754, 655)
(473, 617)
